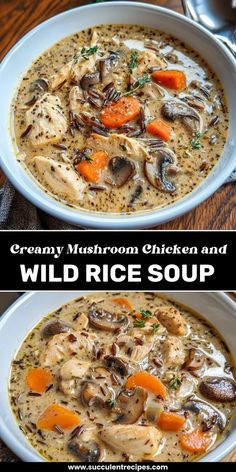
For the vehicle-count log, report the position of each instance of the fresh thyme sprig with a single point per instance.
(175, 383)
(133, 61)
(146, 313)
(196, 142)
(111, 403)
(140, 82)
(155, 327)
(139, 323)
(85, 53)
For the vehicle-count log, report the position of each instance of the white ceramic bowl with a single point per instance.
(27, 311)
(46, 34)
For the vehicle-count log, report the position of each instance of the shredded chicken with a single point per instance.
(174, 353)
(132, 439)
(64, 344)
(117, 144)
(171, 318)
(48, 120)
(60, 177)
(69, 372)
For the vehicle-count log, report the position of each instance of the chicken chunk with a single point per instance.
(132, 439)
(73, 71)
(140, 352)
(59, 177)
(118, 144)
(64, 344)
(48, 121)
(171, 319)
(68, 374)
(82, 322)
(173, 351)
(76, 101)
(146, 60)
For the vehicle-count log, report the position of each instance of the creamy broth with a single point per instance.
(93, 348)
(64, 100)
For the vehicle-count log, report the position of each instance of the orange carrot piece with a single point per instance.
(123, 302)
(170, 421)
(148, 382)
(195, 442)
(38, 380)
(173, 79)
(118, 113)
(91, 171)
(57, 415)
(160, 128)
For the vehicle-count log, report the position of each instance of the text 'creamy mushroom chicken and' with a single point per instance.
(123, 377)
(119, 118)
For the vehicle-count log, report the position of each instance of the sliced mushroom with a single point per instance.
(195, 360)
(102, 319)
(106, 65)
(174, 110)
(54, 327)
(130, 405)
(117, 364)
(208, 414)
(93, 393)
(86, 451)
(218, 389)
(122, 169)
(89, 79)
(156, 171)
(40, 85)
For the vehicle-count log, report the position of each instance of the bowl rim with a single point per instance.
(85, 218)
(29, 455)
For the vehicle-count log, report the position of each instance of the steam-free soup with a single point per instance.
(123, 377)
(119, 118)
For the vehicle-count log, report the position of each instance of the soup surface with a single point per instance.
(118, 119)
(123, 377)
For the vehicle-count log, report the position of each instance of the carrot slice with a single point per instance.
(147, 381)
(170, 421)
(118, 113)
(195, 442)
(160, 128)
(91, 170)
(57, 415)
(38, 380)
(123, 302)
(173, 79)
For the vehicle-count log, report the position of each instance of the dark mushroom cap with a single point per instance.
(218, 389)
(86, 451)
(102, 319)
(117, 364)
(173, 110)
(54, 327)
(89, 79)
(94, 393)
(122, 169)
(130, 405)
(40, 85)
(209, 415)
(156, 171)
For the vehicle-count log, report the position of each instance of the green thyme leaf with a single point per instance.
(85, 53)
(155, 327)
(139, 323)
(133, 61)
(87, 157)
(175, 383)
(146, 313)
(111, 403)
(196, 142)
(140, 82)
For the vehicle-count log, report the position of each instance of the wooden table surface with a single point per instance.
(17, 17)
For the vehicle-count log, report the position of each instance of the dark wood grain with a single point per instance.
(17, 17)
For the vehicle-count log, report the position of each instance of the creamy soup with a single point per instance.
(118, 119)
(123, 377)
